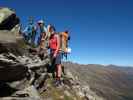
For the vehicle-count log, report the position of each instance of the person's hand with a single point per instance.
(54, 56)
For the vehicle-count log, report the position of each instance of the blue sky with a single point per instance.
(101, 30)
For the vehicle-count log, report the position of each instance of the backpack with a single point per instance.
(64, 38)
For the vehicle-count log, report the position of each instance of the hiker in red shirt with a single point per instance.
(54, 44)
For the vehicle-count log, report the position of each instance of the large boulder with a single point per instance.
(10, 39)
(9, 25)
(5, 13)
(8, 19)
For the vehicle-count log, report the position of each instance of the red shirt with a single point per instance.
(53, 42)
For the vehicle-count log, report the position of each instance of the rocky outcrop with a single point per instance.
(21, 73)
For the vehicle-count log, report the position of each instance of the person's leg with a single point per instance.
(58, 71)
(63, 70)
(52, 67)
(33, 39)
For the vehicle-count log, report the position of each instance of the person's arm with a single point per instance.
(35, 28)
(25, 30)
(46, 32)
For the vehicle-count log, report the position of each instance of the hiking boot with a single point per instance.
(58, 83)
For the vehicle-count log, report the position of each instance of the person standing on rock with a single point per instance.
(54, 44)
(42, 38)
(43, 33)
(29, 32)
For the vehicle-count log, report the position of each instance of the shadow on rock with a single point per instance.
(6, 90)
